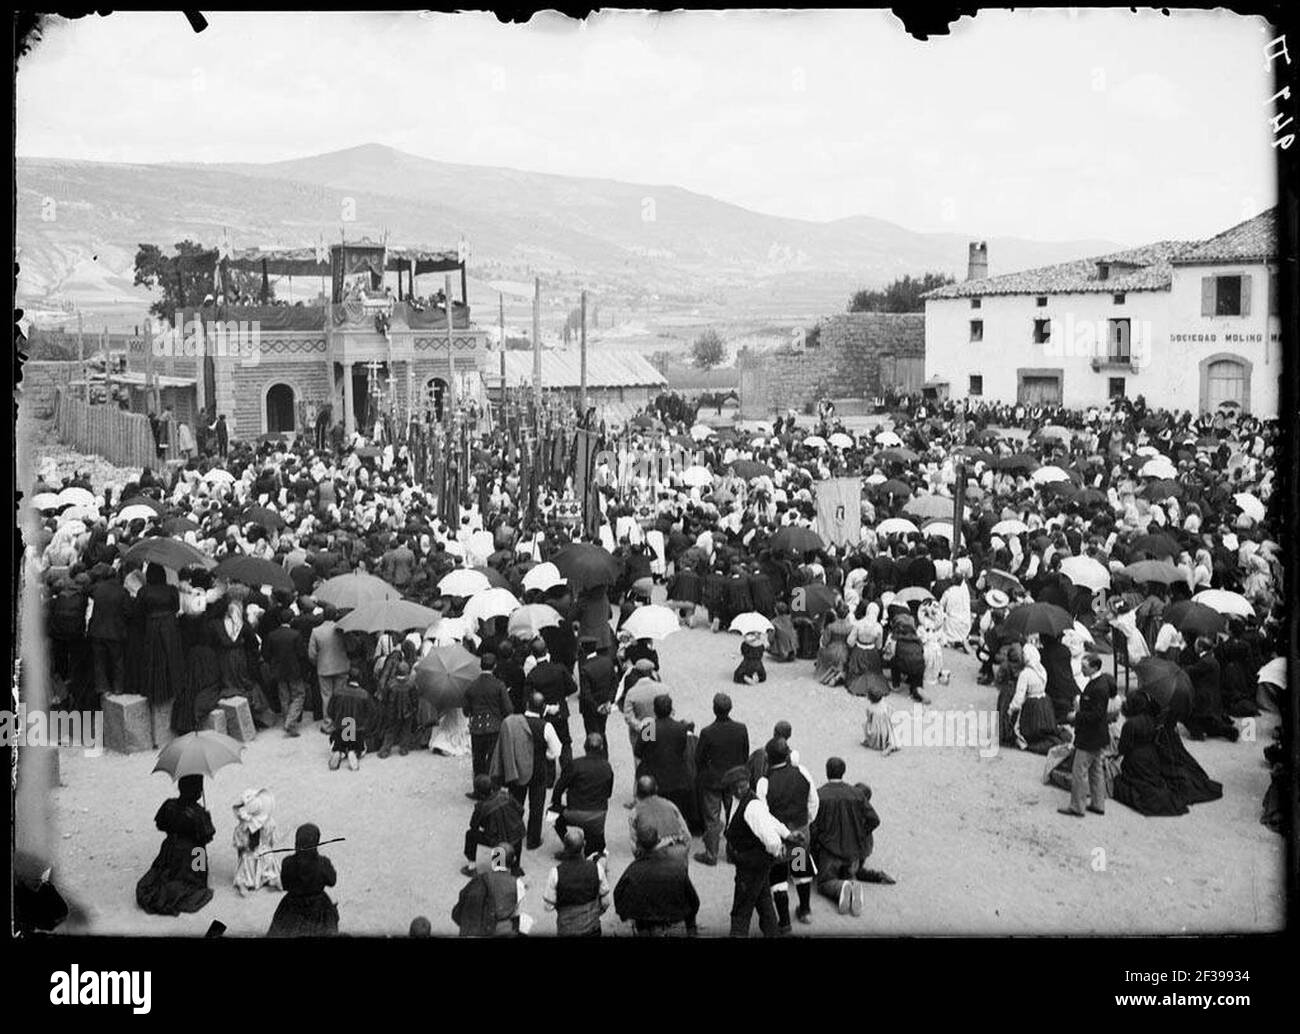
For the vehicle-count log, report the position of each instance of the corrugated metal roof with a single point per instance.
(1149, 269)
(1255, 240)
(561, 368)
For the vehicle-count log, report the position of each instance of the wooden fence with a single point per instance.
(124, 439)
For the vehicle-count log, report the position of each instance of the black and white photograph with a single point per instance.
(702, 474)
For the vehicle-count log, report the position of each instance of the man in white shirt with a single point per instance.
(755, 841)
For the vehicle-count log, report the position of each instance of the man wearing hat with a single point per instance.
(109, 609)
(596, 686)
(487, 702)
(991, 627)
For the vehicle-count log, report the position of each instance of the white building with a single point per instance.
(1185, 324)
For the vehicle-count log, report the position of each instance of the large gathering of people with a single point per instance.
(1116, 572)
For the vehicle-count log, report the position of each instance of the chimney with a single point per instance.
(978, 266)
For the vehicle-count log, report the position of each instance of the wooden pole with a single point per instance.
(501, 324)
(582, 356)
(81, 358)
(537, 344)
(150, 394)
(451, 344)
(108, 369)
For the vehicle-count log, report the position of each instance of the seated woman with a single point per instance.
(834, 652)
(174, 883)
(878, 729)
(306, 910)
(865, 672)
(1142, 782)
(783, 640)
(1031, 710)
(751, 670)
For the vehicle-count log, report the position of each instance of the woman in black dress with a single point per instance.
(306, 910)
(162, 667)
(178, 879)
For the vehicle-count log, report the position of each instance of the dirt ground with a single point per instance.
(975, 843)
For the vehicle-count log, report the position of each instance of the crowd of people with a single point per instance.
(1122, 538)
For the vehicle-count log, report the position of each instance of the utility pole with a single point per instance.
(582, 356)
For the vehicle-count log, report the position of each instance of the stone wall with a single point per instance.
(844, 363)
(41, 378)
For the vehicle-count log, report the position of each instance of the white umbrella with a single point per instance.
(751, 621)
(528, 621)
(697, 477)
(943, 529)
(75, 496)
(1225, 602)
(137, 512)
(1146, 450)
(652, 622)
(543, 577)
(815, 441)
(463, 582)
(1084, 634)
(888, 438)
(1274, 672)
(46, 501)
(701, 431)
(875, 479)
(841, 440)
(1048, 475)
(216, 474)
(73, 527)
(1087, 572)
(1010, 527)
(1160, 467)
(895, 526)
(490, 603)
(78, 513)
(1250, 505)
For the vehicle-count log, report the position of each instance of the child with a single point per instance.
(254, 839)
(878, 730)
(751, 670)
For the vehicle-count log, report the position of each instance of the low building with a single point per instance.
(1186, 324)
(618, 382)
(858, 355)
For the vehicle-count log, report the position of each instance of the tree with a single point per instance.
(903, 295)
(186, 278)
(518, 344)
(708, 350)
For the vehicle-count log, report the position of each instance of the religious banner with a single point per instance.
(839, 511)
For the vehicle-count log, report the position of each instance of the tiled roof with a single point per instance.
(1255, 240)
(561, 368)
(1151, 271)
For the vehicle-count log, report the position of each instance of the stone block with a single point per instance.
(215, 720)
(128, 726)
(239, 719)
(161, 716)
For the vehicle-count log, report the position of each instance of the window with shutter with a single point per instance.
(1245, 294)
(1272, 294)
(1207, 296)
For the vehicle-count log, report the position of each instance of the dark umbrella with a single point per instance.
(495, 578)
(1004, 580)
(1091, 497)
(1162, 489)
(1162, 679)
(262, 515)
(171, 553)
(389, 616)
(143, 500)
(748, 469)
(1016, 461)
(179, 526)
(899, 455)
(1159, 571)
(346, 591)
(1154, 544)
(1064, 489)
(445, 673)
(1043, 618)
(813, 599)
(1196, 618)
(892, 487)
(586, 566)
(797, 539)
(251, 570)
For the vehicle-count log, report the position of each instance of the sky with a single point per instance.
(1050, 124)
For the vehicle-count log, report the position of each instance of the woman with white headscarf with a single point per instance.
(955, 605)
(1031, 709)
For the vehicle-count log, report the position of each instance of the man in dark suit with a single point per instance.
(555, 683)
(723, 745)
(110, 607)
(487, 702)
(883, 573)
(661, 749)
(280, 649)
(582, 793)
(920, 572)
(596, 686)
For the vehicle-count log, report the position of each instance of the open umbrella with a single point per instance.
(750, 469)
(651, 622)
(1157, 491)
(443, 675)
(794, 538)
(389, 616)
(1041, 618)
(697, 477)
(1225, 602)
(888, 439)
(495, 578)
(1162, 680)
(76, 496)
(1250, 505)
(46, 501)
(1161, 572)
(1063, 489)
(1086, 572)
(701, 431)
(218, 475)
(896, 526)
(1010, 527)
(1091, 497)
(1274, 673)
(179, 525)
(813, 599)
(171, 553)
(253, 571)
(815, 441)
(841, 440)
(586, 565)
(463, 582)
(1048, 475)
(262, 515)
(198, 753)
(1154, 544)
(891, 487)
(750, 621)
(78, 513)
(897, 455)
(939, 529)
(913, 594)
(1055, 431)
(490, 603)
(929, 506)
(144, 500)
(995, 578)
(346, 591)
(1195, 619)
(1160, 467)
(543, 577)
(528, 621)
(134, 513)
